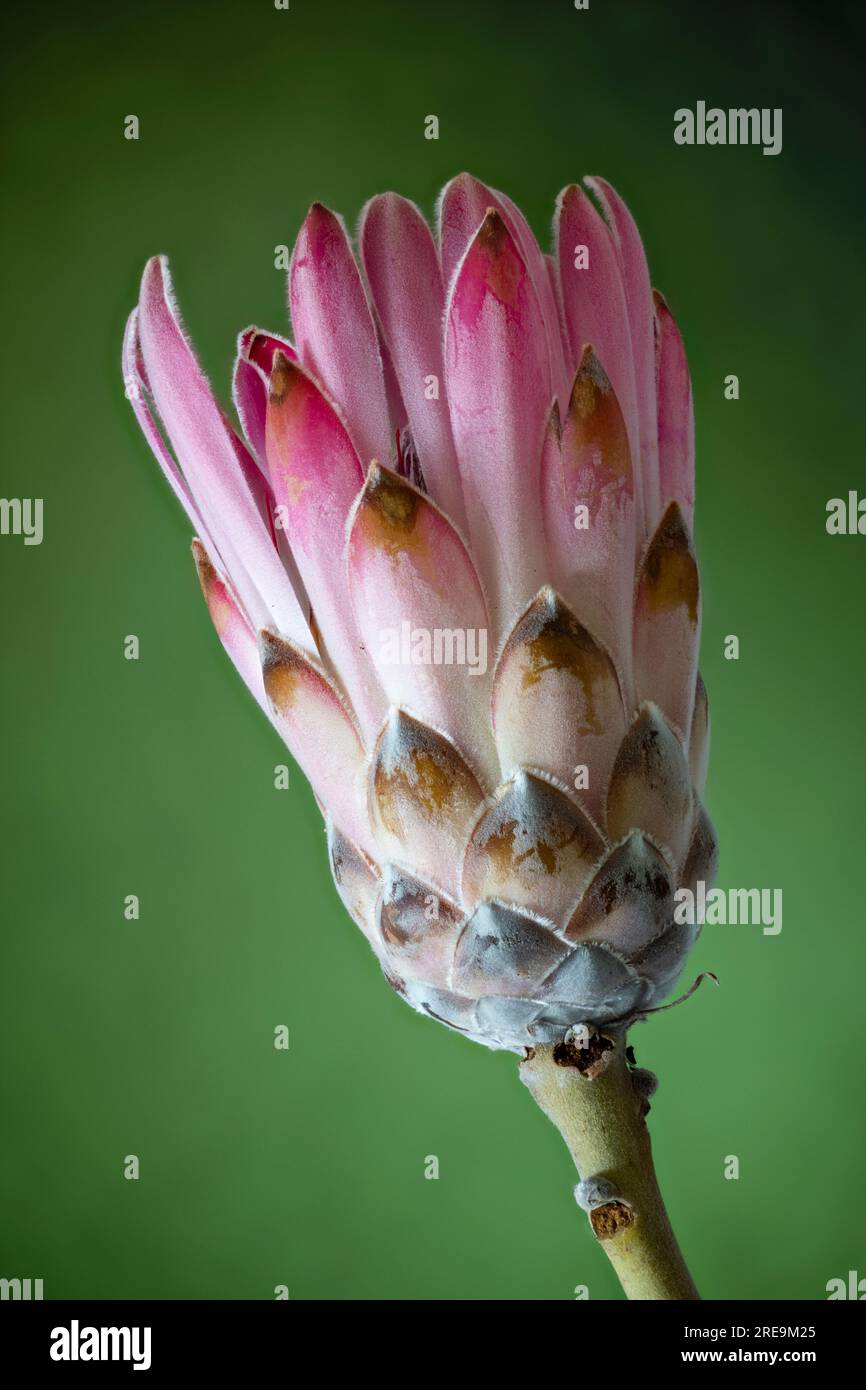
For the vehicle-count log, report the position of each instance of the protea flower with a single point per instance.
(450, 554)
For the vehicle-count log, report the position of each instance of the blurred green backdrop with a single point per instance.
(155, 1037)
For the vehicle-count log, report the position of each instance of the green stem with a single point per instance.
(601, 1118)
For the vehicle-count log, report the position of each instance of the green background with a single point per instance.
(155, 1037)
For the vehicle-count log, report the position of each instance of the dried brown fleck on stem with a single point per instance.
(586, 1054)
(609, 1220)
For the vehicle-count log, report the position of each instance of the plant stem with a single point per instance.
(599, 1110)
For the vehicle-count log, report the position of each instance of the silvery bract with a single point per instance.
(470, 448)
